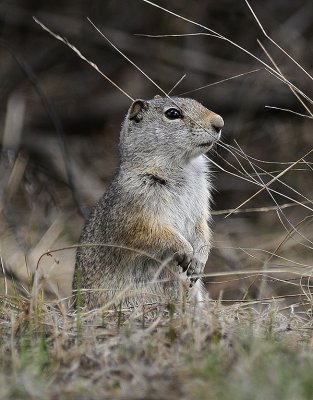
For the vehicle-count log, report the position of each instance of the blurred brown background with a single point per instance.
(60, 122)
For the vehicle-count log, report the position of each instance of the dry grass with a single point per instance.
(253, 341)
(232, 352)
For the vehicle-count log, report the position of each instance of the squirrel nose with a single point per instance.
(217, 123)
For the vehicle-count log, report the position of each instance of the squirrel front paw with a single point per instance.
(191, 266)
(189, 263)
(196, 266)
(183, 260)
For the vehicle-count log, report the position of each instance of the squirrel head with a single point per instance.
(171, 129)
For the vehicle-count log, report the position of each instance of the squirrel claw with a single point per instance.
(195, 267)
(183, 260)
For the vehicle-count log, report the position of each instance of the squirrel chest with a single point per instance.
(178, 197)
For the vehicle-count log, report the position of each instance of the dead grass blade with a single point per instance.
(221, 81)
(221, 37)
(80, 55)
(176, 84)
(289, 111)
(273, 41)
(291, 88)
(127, 58)
(256, 209)
(271, 181)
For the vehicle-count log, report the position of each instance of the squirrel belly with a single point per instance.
(148, 238)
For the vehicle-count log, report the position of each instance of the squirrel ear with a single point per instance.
(135, 111)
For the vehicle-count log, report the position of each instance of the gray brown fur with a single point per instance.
(158, 204)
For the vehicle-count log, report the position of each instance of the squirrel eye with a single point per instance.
(173, 113)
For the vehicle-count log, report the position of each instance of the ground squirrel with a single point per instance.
(158, 204)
